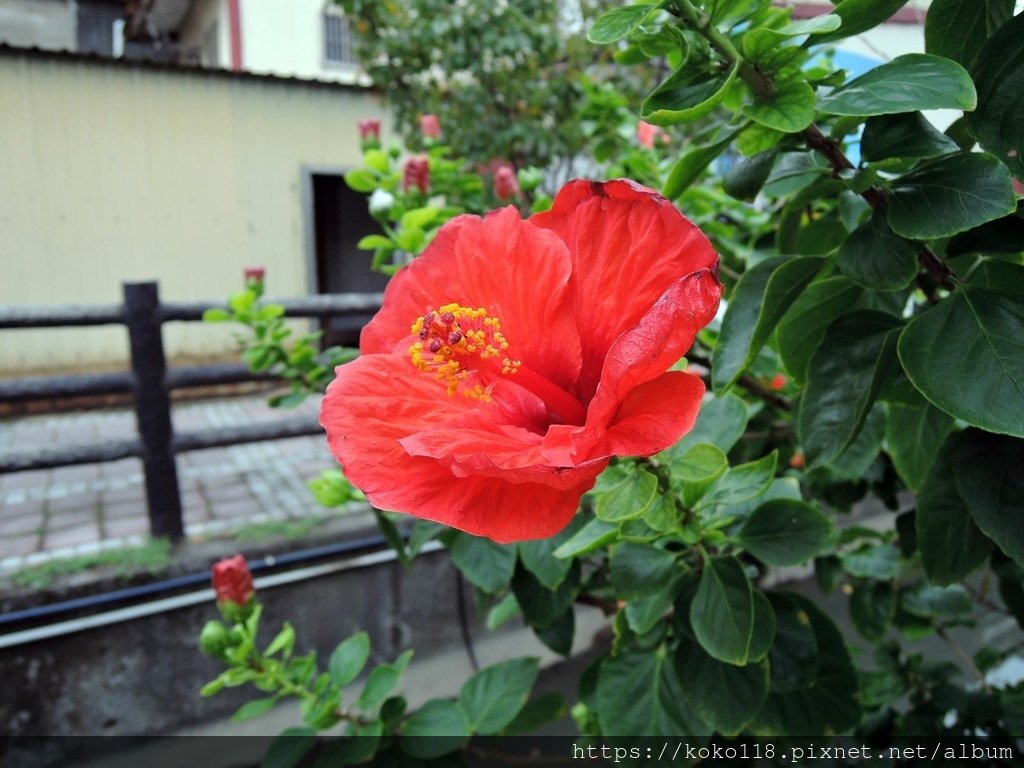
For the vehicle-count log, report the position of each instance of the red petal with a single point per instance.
(656, 414)
(628, 245)
(518, 272)
(378, 400)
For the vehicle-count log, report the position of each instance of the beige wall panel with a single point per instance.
(111, 173)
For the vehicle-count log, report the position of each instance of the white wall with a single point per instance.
(48, 24)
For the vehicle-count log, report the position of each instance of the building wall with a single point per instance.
(208, 19)
(115, 171)
(48, 24)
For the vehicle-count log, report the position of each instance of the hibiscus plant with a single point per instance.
(816, 375)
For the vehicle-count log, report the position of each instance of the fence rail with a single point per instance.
(150, 382)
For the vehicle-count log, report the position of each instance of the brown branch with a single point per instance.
(608, 606)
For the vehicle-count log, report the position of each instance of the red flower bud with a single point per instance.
(369, 129)
(796, 461)
(416, 174)
(646, 133)
(430, 127)
(505, 183)
(778, 382)
(232, 581)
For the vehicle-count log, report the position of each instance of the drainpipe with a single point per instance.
(235, 30)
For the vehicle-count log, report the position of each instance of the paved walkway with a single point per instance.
(83, 509)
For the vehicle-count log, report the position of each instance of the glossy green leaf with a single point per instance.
(721, 422)
(643, 614)
(761, 298)
(692, 165)
(381, 681)
(435, 729)
(908, 83)
(950, 195)
(858, 16)
(485, 564)
(951, 544)
(928, 600)
(872, 608)
(913, 435)
(538, 555)
(872, 561)
(492, 697)
(790, 108)
(702, 463)
(763, 635)
(989, 474)
(998, 70)
(803, 327)
(254, 708)
(745, 179)
(743, 482)
(875, 257)
(793, 658)
(854, 361)
(538, 712)
(639, 694)
(958, 30)
(373, 242)
(558, 635)
(688, 94)
(628, 499)
(289, 747)
(785, 532)
(594, 535)
(617, 23)
(639, 570)
(722, 612)
(419, 218)
(361, 180)
(349, 658)
(792, 172)
(908, 135)
(856, 459)
(1002, 236)
(826, 22)
(725, 696)
(542, 606)
(966, 355)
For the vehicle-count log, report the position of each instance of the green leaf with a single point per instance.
(760, 299)
(913, 435)
(722, 612)
(284, 641)
(966, 355)
(411, 239)
(639, 570)
(950, 543)
(908, 135)
(998, 70)
(361, 180)
(216, 315)
(349, 658)
(617, 23)
(828, 705)
(721, 422)
(826, 22)
(539, 559)
(763, 636)
(856, 459)
(725, 696)
(872, 608)
(803, 327)
(702, 463)
(792, 172)
(253, 709)
(289, 748)
(742, 482)
(793, 658)
(858, 16)
(1005, 235)
(955, 193)
(381, 682)
(373, 242)
(958, 30)
(855, 360)
(435, 729)
(628, 499)
(594, 535)
(873, 561)
(745, 179)
(790, 108)
(484, 563)
(643, 614)
(377, 160)
(874, 257)
(419, 218)
(908, 83)
(785, 532)
(492, 697)
(542, 606)
(989, 474)
(928, 601)
(639, 694)
(538, 712)
(692, 165)
(558, 634)
(688, 94)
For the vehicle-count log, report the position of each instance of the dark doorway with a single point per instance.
(340, 220)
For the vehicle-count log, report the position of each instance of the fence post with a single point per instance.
(153, 408)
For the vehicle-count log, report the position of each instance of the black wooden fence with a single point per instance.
(150, 382)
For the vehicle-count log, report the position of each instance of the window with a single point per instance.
(337, 39)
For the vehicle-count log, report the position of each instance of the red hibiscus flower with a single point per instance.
(514, 358)
(232, 580)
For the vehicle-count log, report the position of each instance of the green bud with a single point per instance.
(214, 639)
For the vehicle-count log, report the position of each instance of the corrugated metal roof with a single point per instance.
(187, 69)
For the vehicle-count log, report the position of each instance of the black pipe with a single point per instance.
(157, 588)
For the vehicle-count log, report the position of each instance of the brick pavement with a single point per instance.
(84, 509)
